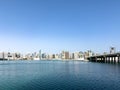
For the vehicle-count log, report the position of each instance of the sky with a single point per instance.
(56, 25)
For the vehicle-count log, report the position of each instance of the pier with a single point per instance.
(108, 58)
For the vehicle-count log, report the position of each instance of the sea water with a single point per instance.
(58, 75)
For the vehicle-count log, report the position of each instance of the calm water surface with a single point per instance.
(58, 75)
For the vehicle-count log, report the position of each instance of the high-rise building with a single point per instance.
(89, 53)
(112, 50)
(76, 55)
(81, 56)
(44, 56)
(2, 55)
(40, 55)
(72, 56)
(57, 56)
(53, 56)
(65, 55)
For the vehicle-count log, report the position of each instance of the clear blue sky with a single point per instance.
(55, 25)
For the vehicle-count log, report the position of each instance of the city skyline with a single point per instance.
(53, 26)
(63, 55)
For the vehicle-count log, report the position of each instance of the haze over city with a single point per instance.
(56, 25)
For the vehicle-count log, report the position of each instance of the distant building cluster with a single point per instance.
(64, 55)
(10, 56)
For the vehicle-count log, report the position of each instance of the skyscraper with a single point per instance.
(40, 56)
(112, 50)
(65, 55)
